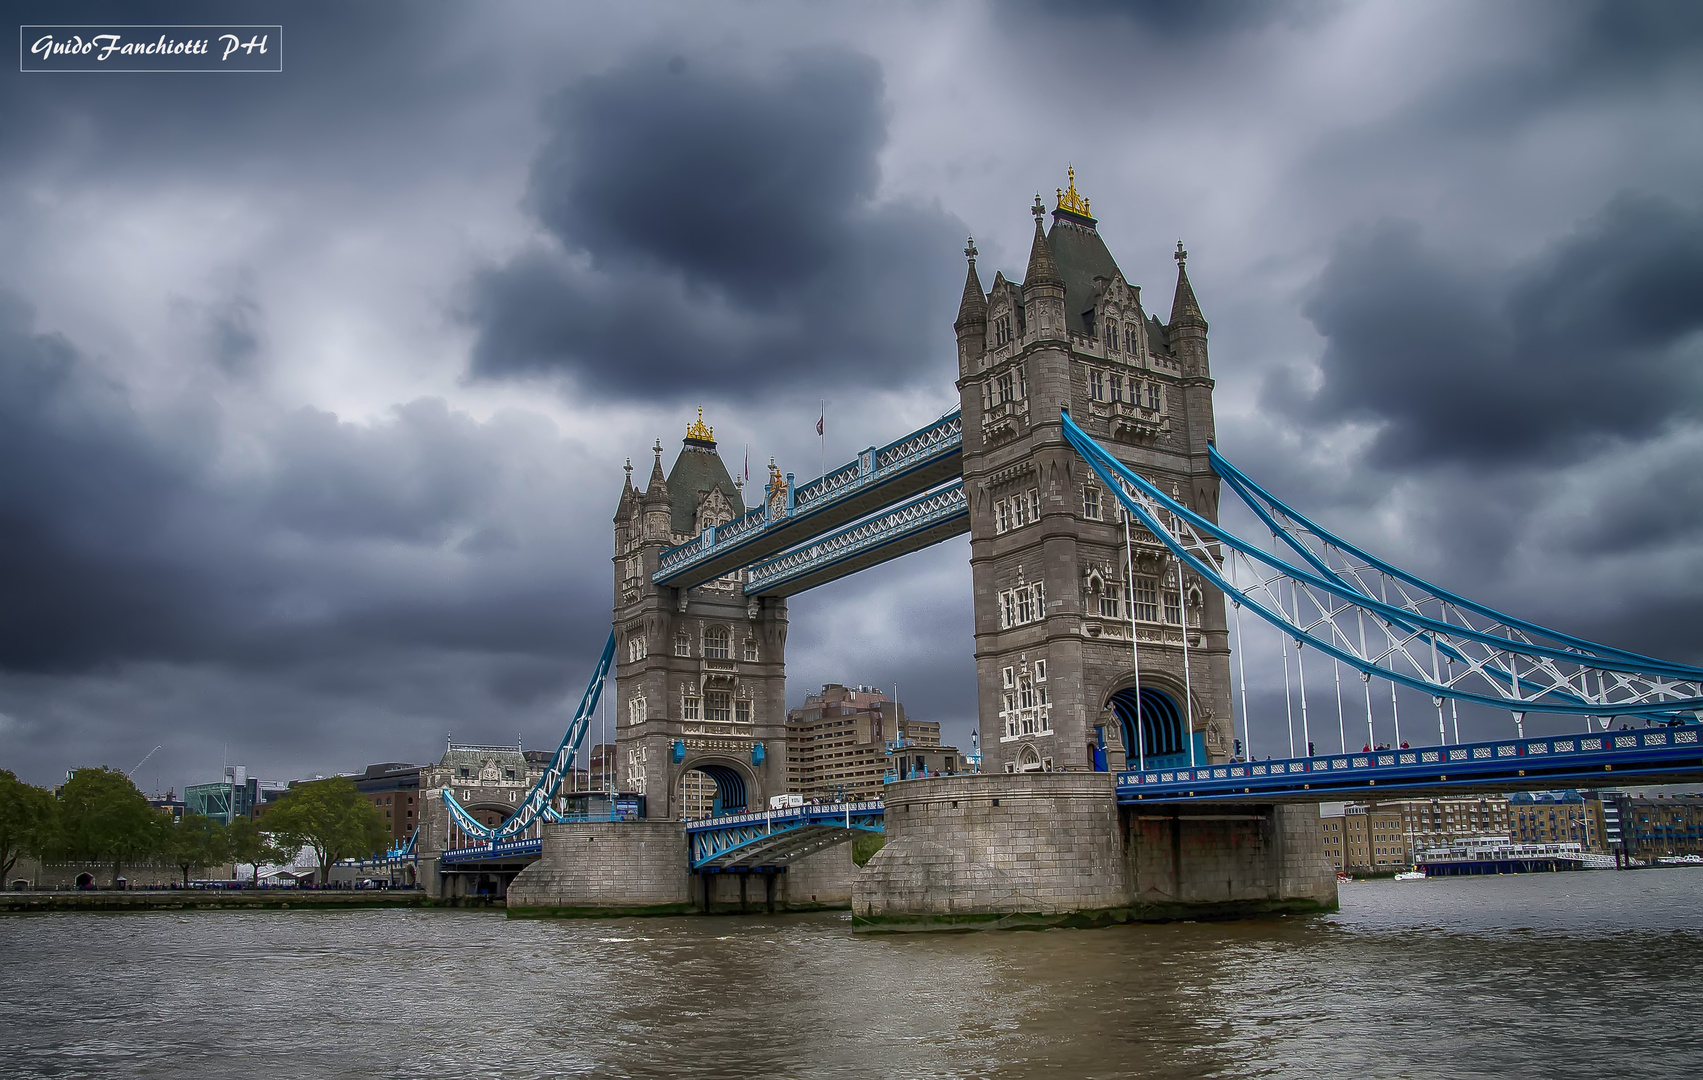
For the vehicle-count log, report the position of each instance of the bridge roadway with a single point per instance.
(1659, 755)
(761, 837)
(880, 478)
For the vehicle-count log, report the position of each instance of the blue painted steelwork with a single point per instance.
(537, 806)
(880, 476)
(944, 514)
(777, 836)
(1504, 765)
(495, 850)
(394, 858)
(1504, 663)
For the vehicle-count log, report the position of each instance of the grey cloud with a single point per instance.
(1591, 342)
(715, 230)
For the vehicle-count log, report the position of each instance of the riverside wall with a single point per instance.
(1056, 849)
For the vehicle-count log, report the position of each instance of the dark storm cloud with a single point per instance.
(120, 541)
(717, 230)
(1188, 20)
(363, 87)
(1593, 342)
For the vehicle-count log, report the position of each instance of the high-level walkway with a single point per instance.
(878, 480)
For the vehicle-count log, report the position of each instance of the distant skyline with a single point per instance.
(315, 387)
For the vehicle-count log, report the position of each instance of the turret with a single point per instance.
(624, 511)
(657, 527)
(1187, 329)
(1043, 286)
(972, 323)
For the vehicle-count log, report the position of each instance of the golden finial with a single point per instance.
(1069, 199)
(699, 430)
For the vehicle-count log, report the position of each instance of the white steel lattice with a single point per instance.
(942, 505)
(1389, 624)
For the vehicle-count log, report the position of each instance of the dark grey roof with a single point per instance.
(1081, 256)
(696, 470)
(1156, 336)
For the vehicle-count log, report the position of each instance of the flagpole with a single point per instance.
(822, 433)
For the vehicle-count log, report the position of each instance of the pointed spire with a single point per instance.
(1184, 305)
(973, 309)
(625, 508)
(658, 486)
(1043, 268)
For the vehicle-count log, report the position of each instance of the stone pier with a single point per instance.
(1055, 849)
(640, 868)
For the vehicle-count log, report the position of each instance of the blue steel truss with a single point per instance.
(880, 476)
(778, 836)
(495, 851)
(1338, 602)
(537, 806)
(1649, 754)
(939, 515)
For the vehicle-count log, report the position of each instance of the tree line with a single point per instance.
(99, 816)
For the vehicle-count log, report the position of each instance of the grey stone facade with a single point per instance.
(606, 867)
(1053, 589)
(704, 667)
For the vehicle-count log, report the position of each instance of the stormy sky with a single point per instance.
(315, 387)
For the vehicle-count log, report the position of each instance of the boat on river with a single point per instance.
(1501, 855)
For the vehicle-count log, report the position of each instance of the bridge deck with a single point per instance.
(937, 516)
(879, 478)
(1647, 755)
(778, 836)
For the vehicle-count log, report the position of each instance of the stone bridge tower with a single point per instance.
(1056, 599)
(700, 673)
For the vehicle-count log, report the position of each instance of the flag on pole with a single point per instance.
(819, 421)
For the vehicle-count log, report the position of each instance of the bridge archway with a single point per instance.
(710, 786)
(1163, 735)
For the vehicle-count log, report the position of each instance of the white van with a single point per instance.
(785, 802)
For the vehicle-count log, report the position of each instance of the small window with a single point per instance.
(1040, 671)
(1034, 505)
(1130, 342)
(1004, 389)
(688, 707)
(1111, 335)
(1152, 395)
(1117, 388)
(742, 711)
(1008, 677)
(682, 644)
(1096, 384)
(718, 707)
(750, 651)
(1091, 502)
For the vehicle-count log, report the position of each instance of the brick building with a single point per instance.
(847, 738)
(393, 787)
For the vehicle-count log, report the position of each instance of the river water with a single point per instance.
(1546, 975)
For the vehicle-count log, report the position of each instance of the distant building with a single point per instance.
(170, 803)
(1554, 817)
(393, 787)
(1439, 822)
(845, 740)
(1653, 826)
(1372, 839)
(237, 795)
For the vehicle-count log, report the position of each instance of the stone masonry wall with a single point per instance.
(606, 866)
(1227, 860)
(1045, 843)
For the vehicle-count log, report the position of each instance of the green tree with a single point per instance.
(28, 817)
(331, 817)
(250, 846)
(103, 818)
(197, 840)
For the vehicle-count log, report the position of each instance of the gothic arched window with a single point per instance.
(716, 645)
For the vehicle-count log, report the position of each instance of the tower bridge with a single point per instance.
(1109, 607)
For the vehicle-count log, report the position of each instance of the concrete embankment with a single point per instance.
(220, 899)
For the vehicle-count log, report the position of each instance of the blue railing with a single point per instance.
(491, 850)
(1608, 755)
(933, 443)
(716, 839)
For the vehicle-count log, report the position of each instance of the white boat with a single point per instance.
(1411, 875)
(1501, 855)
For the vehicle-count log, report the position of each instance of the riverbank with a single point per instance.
(224, 899)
